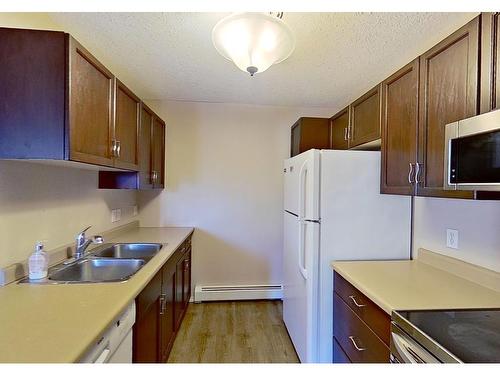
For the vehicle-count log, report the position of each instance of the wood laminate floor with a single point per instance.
(233, 332)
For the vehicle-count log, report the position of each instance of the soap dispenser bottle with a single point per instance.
(38, 263)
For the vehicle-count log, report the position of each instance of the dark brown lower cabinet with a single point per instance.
(160, 308)
(179, 303)
(147, 323)
(167, 312)
(339, 355)
(361, 329)
(182, 284)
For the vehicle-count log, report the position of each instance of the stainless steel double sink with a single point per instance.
(106, 263)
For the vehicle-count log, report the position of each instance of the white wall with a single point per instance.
(478, 223)
(224, 177)
(41, 21)
(39, 202)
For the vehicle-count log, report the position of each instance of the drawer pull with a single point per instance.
(356, 302)
(162, 304)
(358, 348)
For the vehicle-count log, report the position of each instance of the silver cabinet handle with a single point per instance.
(118, 148)
(348, 132)
(356, 302)
(417, 173)
(113, 147)
(358, 348)
(410, 174)
(162, 304)
(345, 133)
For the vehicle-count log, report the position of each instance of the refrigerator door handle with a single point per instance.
(302, 193)
(302, 249)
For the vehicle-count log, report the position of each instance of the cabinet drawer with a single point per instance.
(369, 312)
(339, 355)
(356, 339)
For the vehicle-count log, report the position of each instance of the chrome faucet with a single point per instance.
(82, 243)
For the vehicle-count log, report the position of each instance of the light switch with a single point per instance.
(116, 215)
(452, 238)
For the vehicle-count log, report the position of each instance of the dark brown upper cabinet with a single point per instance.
(126, 128)
(448, 92)
(151, 157)
(490, 62)
(32, 94)
(339, 127)
(399, 130)
(158, 153)
(365, 120)
(91, 100)
(145, 149)
(308, 133)
(62, 103)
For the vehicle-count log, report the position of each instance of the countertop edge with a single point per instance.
(362, 288)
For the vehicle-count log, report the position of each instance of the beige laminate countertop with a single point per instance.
(58, 323)
(414, 285)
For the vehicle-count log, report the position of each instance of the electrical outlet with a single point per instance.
(135, 210)
(116, 215)
(452, 238)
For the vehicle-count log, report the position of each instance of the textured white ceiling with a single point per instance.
(338, 56)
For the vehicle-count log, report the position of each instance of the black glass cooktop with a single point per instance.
(470, 335)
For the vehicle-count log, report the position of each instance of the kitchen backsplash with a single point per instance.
(477, 222)
(40, 202)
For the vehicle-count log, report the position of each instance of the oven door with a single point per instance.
(404, 349)
(472, 153)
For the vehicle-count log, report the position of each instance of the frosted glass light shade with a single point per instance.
(253, 41)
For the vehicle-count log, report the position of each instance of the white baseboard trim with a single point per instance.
(204, 293)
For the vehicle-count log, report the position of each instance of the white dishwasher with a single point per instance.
(115, 344)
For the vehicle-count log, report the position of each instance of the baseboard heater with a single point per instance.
(236, 292)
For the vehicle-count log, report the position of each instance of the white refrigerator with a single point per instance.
(333, 210)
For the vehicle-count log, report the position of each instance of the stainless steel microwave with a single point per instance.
(472, 153)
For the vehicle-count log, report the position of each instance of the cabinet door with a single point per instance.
(90, 108)
(179, 293)
(145, 336)
(32, 94)
(186, 278)
(146, 339)
(295, 139)
(167, 322)
(127, 110)
(308, 133)
(490, 62)
(365, 118)
(399, 130)
(448, 92)
(158, 143)
(145, 150)
(339, 127)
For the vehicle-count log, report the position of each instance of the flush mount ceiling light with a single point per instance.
(253, 41)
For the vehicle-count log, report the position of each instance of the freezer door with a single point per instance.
(301, 174)
(300, 270)
(357, 223)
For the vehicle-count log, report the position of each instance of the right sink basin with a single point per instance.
(128, 250)
(96, 270)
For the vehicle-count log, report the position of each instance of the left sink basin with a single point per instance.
(97, 270)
